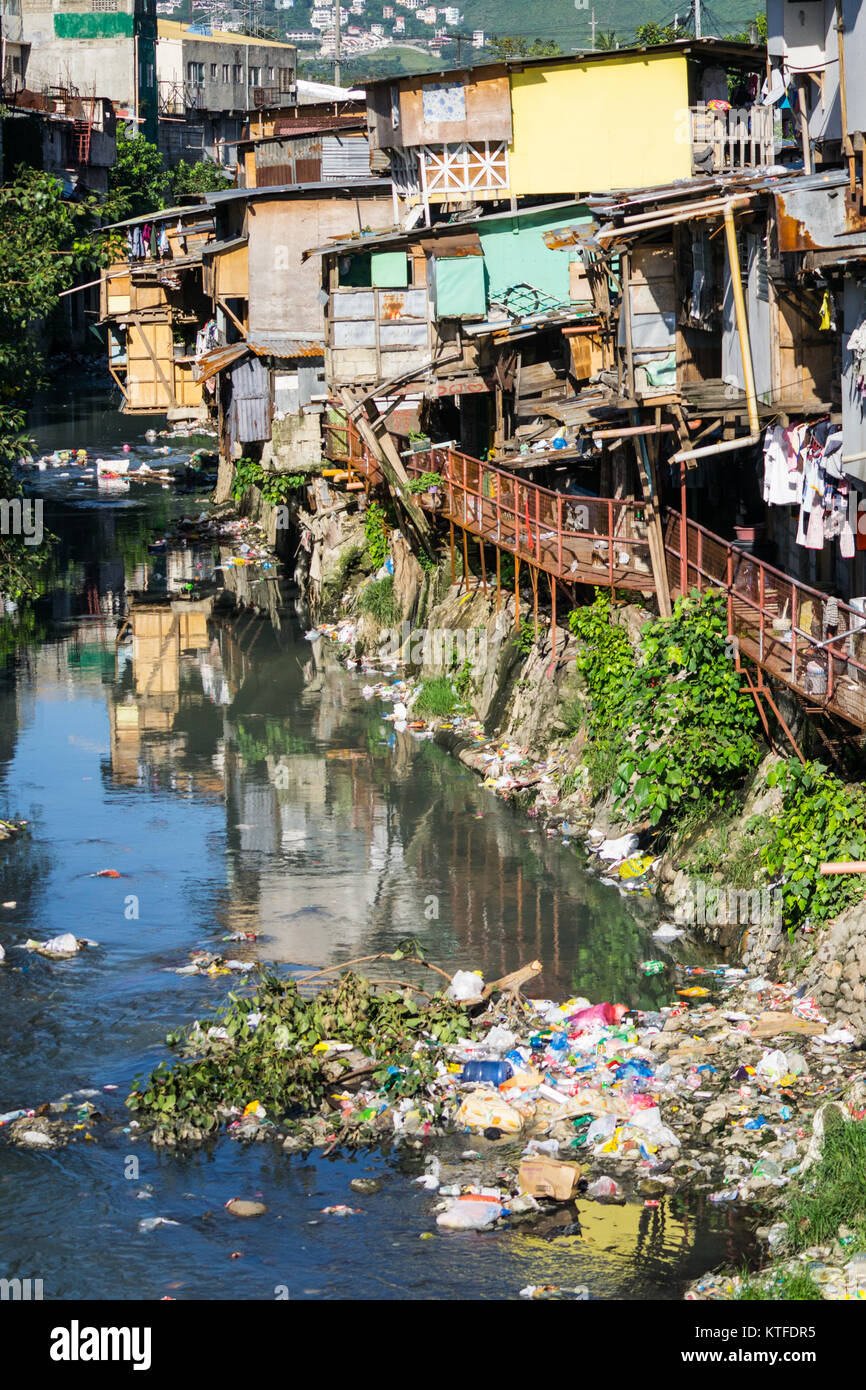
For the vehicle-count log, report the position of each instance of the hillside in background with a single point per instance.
(570, 27)
(567, 23)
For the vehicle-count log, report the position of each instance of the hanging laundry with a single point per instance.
(163, 244)
(827, 318)
(857, 348)
(815, 530)
(781, 486)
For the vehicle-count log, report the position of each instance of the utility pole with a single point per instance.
(592, 26)
(697, 4)
(336, 43)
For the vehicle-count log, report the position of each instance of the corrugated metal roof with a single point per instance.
(706, 48)
(372, 241)
(217, 360)
(174, 29)
(164, 215)
(214, 248)
(261, 345)
(283, 345)
(302, 190)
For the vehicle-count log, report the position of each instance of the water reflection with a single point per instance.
(236, 778)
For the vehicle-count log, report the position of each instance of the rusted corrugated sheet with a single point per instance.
(217, 360)
(287, 125)
(275, 345)
(275, 175)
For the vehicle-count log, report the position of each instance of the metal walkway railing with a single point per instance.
(812, 643)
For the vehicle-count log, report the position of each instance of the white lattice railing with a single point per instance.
(464, 169)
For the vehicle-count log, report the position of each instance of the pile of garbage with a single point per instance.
(244, 540)
(714, 1092)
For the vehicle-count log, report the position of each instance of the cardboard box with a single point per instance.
(548, 1177)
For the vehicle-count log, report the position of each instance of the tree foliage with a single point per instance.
(652, 34)
(674, 714)
(203, 177)
(139, 180)
(517, 46)
(44, 247)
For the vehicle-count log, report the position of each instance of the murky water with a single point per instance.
(154, 756)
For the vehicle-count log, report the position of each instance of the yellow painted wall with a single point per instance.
(598, 126)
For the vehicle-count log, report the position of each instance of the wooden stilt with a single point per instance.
(451, 542)
(498, 579)
(483, 565)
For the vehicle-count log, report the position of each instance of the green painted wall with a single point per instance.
(103, 25)
(515, 253)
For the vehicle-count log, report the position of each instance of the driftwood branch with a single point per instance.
(513, 983)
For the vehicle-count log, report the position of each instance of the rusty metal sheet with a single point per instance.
(813, 219)
(217, 360)
(392, 305)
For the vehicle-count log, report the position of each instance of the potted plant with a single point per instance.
(429, 484)
(418, 443)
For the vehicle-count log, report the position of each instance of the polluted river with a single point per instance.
(141, 748)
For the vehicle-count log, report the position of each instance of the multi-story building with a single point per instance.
(103, 48)
(208, 80)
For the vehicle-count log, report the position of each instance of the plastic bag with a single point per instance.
(469, 1214)
(466, 987)
(600, 1129)
(603, 1187)
(485, 1110)
(618, 849)
(773, 1065)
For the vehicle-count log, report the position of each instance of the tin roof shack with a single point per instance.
(277, 119)
(306, 155)
(433, 313)
(154, 306)
(636, 118)
(273, 395)
(209, 80)
(68, 135)
(736, 359)
(679, 332)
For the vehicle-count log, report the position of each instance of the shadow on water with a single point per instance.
(237, 779)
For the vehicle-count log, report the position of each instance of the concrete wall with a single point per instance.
(73, 44)
(227, 67)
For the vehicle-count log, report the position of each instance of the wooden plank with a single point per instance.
(365, 416)
(155, 360)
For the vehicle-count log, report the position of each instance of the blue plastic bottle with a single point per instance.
(490, 1073)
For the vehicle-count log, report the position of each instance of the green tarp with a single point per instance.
(460, 287)
(390, 269)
